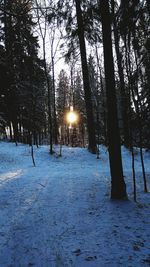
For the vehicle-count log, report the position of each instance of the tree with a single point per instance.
(63, 94)
(124, 94)
(43, 29)
(62, 102)
(118, 189)
(24, 75)
(86, 82)
(135, 36)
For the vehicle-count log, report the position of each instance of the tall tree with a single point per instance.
(86, 82)
(63, 102)
(124, 95)
(118, 189)
(23, 67)
(43, 29)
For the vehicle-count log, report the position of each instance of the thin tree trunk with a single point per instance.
(133, 173)
(104, 109)
(15, 130)
(126, 131)
(32, 153)
(10, 130)
(49, 113)
(50, 124)
(138, 106)
(103, 99)
(86, 83)
(128, 70)
(54, 103)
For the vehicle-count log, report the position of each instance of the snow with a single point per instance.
(59, 213)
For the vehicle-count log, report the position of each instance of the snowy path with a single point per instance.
(58, 214)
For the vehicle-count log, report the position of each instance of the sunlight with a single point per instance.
(10, 175)
(72, 116)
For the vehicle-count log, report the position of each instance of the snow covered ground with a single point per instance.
(59, 213)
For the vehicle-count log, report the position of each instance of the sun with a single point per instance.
(72, 117)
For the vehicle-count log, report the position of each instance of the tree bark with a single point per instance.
(54, 103)
(118, 188)
(86, 83)
(124, 95)
(103, 99)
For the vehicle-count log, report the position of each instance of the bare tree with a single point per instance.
(42, 29)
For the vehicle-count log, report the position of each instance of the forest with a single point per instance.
(106, 48)
(74, 133)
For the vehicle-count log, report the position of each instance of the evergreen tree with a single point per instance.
(63, 95)
(20, 57)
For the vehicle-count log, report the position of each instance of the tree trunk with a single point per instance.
(103, 99)
(10, 130)
(86, 83)
(54, 103)
(50, 123)
(15, 129)
(118, 189)
(124, 95)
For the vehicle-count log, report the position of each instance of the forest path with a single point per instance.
(59, 213)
